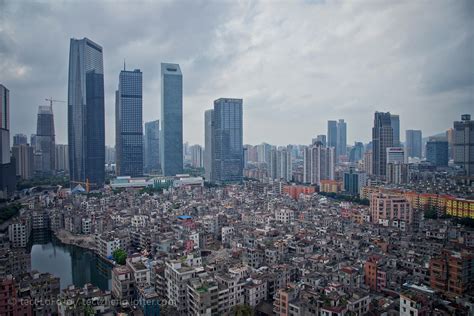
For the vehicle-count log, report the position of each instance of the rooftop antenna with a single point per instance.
(124, 64)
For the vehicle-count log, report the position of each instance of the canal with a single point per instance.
(74, 265)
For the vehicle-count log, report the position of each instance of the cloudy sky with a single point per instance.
(296, 64)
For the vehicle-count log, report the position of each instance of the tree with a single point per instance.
(120, 256)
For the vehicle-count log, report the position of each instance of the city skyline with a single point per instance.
(332, 83)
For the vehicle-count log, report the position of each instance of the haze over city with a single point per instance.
(296, 64)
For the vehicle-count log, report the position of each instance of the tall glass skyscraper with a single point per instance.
(171, 144)
(86, 130)
(228, 149)
(413, 143)
(382, 138)
(45, 140)
(332, 134)
(395, 121)
(129, 124)
(208, 139)
(341, 149)
(152, 146)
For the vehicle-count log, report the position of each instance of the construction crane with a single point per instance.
(51, 100)
(87, 183)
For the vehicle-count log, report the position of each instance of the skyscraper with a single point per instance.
(23, 154)
(341, 149)
(7, 167)
(129, 129)
(20, 139)
(171, 140)
(437, 152)
(464, 144)
(196, 156)
(228, 155)
(332, 134)
(321, 139)
(152, 146)
(4, 125)
(395, 122)
(62, 159)
(208, 140)
(45, 140)
(382, 138)
(413, 143)
(356, 152)
(86, 127)
(322, 161)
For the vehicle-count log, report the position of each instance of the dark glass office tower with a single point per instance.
(45, 140)
(413, 143)
(86, 130)
(382, 138)
(332, 134)
(152, 146)
(129, 129)
(228, 153)
(171, 140)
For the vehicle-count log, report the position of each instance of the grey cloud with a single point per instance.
(296, 64)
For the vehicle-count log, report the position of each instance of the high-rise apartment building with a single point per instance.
(152, 146)
(23, 155)
(196, 156)
(45, 140)
(281, 164)
(7, 168)
(129, 124)
(171, 140)
(86, 119)
(413, 143)
(437, 152)
(319, 163)
(228, 155)
(20, 139)
(395, 122)
(382, 138)
(368, 162)
(208, 140)
(62, 157)
(464, 144)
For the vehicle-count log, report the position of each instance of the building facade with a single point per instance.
(45, 140)
(171, 140)
(86, 118)
(129, 124)
(395, 122)
(208, 141)
(464, 144)
(382, 138)
(23, 155)
(152, 146)
(7, 167)
(437, 152)
(228, 154)
(413, 143)
(62, 159)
